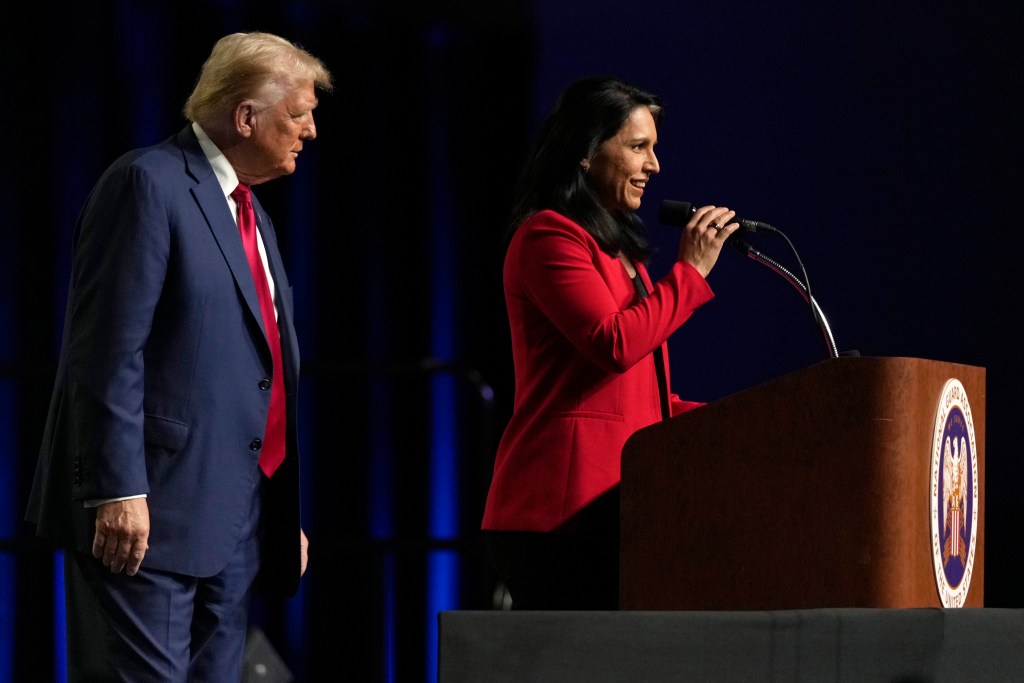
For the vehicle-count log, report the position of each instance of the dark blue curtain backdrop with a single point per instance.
(881, 138)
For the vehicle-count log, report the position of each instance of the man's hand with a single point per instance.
(303, 551)
(122, 534)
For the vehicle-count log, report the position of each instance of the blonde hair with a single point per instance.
(245, 66)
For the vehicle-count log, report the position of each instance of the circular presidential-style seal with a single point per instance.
(954, 495)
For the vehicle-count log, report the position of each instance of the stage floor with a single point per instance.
(815, 645)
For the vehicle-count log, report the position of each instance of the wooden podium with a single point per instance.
(811, 490)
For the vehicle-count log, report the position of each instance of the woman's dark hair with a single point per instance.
(586, 114)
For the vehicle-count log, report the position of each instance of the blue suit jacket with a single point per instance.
(159, 387)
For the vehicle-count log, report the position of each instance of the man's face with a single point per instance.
(277, 134)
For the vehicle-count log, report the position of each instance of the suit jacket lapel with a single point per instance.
(210, 198)
(289, 347)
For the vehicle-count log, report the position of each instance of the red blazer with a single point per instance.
(585, 377)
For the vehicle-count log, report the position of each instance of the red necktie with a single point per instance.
(273, 441)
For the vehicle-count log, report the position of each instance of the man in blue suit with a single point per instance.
(151, 474)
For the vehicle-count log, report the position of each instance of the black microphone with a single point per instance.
(679, 213)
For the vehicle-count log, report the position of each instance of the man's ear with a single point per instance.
(245, 114)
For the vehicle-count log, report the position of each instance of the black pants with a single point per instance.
(575, 567)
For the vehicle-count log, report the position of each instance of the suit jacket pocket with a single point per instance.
(167, 434)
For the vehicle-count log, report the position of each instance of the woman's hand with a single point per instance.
(704, 235)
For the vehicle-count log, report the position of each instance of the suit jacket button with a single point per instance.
(255, 444)
(264, 384)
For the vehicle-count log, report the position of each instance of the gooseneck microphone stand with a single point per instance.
(804, 289)
(678, 213)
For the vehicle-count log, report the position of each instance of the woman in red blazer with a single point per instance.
(589, 331)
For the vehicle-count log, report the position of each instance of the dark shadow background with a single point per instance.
(883, 139)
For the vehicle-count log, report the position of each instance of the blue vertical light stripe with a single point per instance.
(381, 475)
(381, 517)
(9, 516)
(296, 631)
(389, 634)
(60, 653)
(300, 265)
(443, 481)
(8, 476)
(7, 614)
(442, 570)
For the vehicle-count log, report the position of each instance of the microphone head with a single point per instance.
(675, 213)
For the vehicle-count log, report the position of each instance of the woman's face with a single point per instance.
(624, 162)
